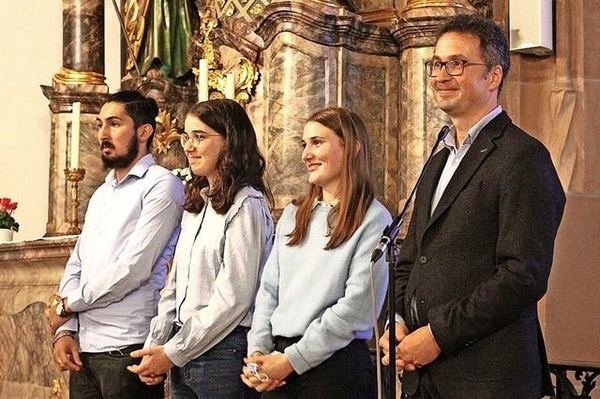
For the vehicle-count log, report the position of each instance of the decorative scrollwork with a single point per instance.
(57, 388)
(565, 388)
(167, 135)
(246, 73)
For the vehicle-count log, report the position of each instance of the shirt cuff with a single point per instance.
(431, 333)
(174, 355)
(75, 302)
(397, 319)
(296, 360)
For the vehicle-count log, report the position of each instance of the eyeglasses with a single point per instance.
(452, 67)
(196, 138)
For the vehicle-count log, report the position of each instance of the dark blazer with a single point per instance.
(478, 266)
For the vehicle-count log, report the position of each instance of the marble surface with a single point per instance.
(83, 35)
(301, 76)
(30, 272)
(325, 24)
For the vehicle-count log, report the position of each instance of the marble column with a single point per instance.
(80, 79)
(317, 55)
(420, 120)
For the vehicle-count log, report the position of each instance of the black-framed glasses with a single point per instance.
(195, 137)
(452, 67)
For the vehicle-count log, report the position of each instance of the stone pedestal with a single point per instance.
(29, 273)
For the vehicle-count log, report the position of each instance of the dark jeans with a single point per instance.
(348, 374)
(216, 373)
(105, 376)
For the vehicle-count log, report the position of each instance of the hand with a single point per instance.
(384, 343)
(66, 354)
(419, 348)
(57, 321)
(272, 370)
(154, 365)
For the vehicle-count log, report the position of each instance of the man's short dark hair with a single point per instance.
(494, 43)
(143, 110)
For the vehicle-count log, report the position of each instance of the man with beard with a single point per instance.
(110, 288)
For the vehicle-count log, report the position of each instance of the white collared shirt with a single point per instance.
(457, 154)
(119, 264)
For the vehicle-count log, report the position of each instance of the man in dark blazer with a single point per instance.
(478, 252)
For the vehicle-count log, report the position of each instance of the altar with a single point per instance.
(30, 272)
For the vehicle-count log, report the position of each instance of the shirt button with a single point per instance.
(423, 259)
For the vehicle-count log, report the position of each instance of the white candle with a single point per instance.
(230, 86)
(203, 80)
(75, 133)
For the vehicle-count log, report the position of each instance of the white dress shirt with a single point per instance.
(119, 264)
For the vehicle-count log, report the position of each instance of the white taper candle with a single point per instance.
(75, 134)
(203, 80)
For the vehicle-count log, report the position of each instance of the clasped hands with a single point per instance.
(266, 372)
(155, 363)
(414, 350)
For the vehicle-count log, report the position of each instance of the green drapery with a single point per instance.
(167, 37)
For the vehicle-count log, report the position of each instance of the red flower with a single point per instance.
(7, 221)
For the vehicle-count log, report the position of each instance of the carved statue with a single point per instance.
(159, 33)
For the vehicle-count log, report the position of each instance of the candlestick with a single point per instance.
(230, 86)
(203, 80)
(73, 177)
(75, 133)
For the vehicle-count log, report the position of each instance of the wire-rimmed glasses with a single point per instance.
(452, 67)
(195, 137)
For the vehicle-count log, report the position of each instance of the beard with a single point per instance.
(120, 161)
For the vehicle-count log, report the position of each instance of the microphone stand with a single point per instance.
(389, 234)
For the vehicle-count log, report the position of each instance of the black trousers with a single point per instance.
(105, 376)
(348, 374)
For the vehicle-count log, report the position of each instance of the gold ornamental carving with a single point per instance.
(163, 139)
(246, 73)
(70, 76)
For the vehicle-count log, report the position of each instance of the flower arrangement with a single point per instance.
(7, 221)
(184, 174)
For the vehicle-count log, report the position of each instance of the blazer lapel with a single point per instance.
(428, 186)
(480, 149)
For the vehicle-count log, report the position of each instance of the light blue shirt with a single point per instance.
(457, 154)
(215, 276)
(119, 264)
(324, 296)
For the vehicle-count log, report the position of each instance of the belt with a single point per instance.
(118, 352)
(177, 327)
(126, 350)
(283, 342)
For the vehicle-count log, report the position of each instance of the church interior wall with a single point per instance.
(554, 98)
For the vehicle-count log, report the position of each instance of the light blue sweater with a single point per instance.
(323, 296)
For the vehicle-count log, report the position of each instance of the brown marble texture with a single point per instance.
(59, 211)
(318, 55)
(30, 272)
(83, 35)
(325, 24)
(417, 24)
(295, 73)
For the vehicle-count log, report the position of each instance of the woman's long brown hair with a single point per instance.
(355, 191)
(240, 162)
